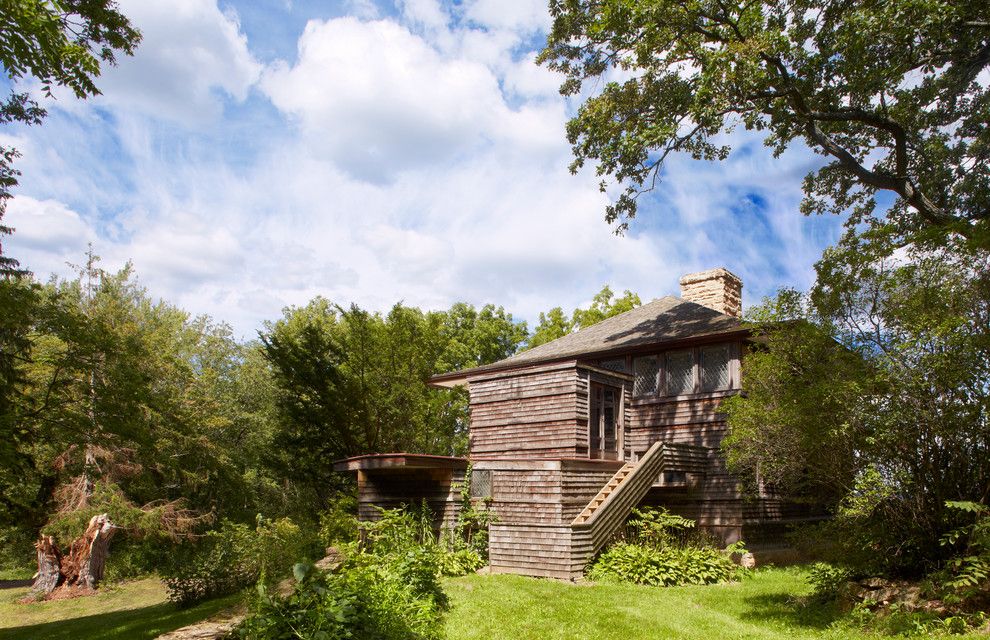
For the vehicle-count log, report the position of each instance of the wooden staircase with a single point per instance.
(607, 511)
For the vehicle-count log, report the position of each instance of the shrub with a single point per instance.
(233, 557)
(395, 595)
(656, 527)
(670, 566)
(400, 531)
(966, 576)
(664, 549)
(338, 524)
(828, 580)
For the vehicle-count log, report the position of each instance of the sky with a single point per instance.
(253, 155)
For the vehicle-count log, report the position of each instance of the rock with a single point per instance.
(331, 561)
(484, 571)
(215, 628)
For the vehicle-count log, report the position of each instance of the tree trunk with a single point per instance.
(49, 573)
(84, 564)
(88, 554)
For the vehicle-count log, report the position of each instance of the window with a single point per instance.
(682, 372)
(646, 370)
(715, 368)
(481, 483)
(615, 364)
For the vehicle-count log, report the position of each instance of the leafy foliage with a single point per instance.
(233, 557)
(967, 573)
(369, 597)
(555, 324)
(352, 382)
(876, 399)
(887, 92)
(659, 553)
(664, 567)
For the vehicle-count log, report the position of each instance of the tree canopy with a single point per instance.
(872, 392)
(890, 93)
(555, 324)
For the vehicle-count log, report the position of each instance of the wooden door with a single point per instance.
(604, 431)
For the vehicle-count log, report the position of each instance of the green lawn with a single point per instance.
(134, 610)
(764, 606)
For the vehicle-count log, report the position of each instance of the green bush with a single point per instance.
(828, 580)
(670, 566)
(664, 549)
(392, 593)
(17, 554)
(400, 531)
(233, 557)
(338, 524)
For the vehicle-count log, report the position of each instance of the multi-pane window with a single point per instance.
(685, 371)
(481, 483)
(680, 373)
(646, 371)
(614, 364)
(715, 374)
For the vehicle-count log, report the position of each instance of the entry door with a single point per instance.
(603, 437)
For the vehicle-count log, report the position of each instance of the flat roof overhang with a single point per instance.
(377, 461)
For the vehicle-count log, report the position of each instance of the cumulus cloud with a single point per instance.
(377, 99)
(191, 54)
(419, 157)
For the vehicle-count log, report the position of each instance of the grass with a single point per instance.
(764, 606)
(132, 610)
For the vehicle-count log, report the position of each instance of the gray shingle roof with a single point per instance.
(666, 319)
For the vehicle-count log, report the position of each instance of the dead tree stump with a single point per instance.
(49, 574)
(83, 567)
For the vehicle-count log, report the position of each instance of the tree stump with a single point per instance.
(83, 567)
(49, 574)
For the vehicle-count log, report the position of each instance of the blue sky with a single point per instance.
(253, 155)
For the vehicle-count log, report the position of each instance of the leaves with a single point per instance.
(886, 92)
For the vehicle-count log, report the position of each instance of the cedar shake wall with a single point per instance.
(529, 413)
(714, 501)
(535, 502)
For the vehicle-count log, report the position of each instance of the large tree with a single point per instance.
(875, 394)
(59, 43)
(349, 381)
(893, 94)
(554, 324)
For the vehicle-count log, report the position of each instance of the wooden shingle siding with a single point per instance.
(542, 550)
(531, 413)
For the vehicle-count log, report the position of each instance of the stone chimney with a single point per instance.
(717, 289)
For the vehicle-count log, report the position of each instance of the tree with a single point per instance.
(554, 324)
(60, 43)
(351, 382)
(889, 92)
(894, 424)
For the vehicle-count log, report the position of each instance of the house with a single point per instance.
(566, 438)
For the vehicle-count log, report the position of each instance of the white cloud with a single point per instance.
(426, 162)
(527, 16)
(426, 13)
(191, 52)
(378, 99)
